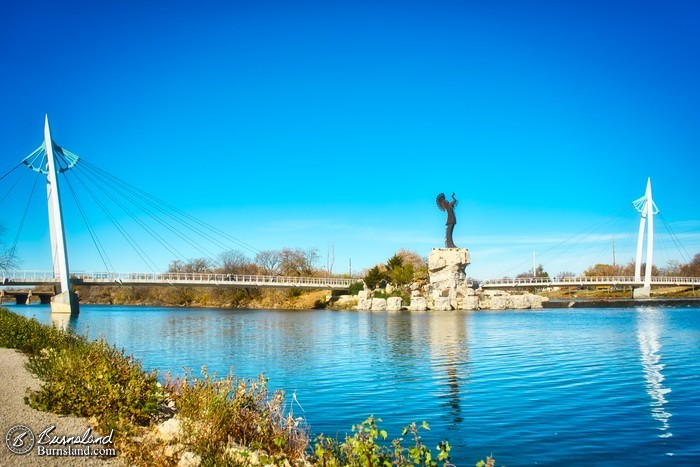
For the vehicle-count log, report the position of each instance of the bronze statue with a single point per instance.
(444, 205)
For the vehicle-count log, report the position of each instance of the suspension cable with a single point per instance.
(93, 235)
(11, 170)
(20, 178)
(159, 238)
(24, 217)
(162, 205)
(138, 250)
(676, 241)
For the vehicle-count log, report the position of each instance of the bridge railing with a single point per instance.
(104, 278)
(28, 276)
(587, 280)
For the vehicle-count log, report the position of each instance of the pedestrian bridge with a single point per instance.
(29, 278)
(588, 281)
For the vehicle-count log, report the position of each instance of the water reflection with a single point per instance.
(648, 324)
(449, 353)
(63, 321)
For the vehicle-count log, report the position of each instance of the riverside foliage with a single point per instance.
(224, 421)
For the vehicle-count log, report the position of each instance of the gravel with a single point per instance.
(14, 381)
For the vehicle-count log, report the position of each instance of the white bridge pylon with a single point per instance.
(65, 301)
(646, 207)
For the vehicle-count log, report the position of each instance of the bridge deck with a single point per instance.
(587, 281)
(28, 278)
(185, 279)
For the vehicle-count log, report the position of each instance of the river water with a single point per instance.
(537, 387)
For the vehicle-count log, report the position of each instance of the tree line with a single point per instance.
(672, 269)
(283, 262)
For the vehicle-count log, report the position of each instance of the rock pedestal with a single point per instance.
(448, 281)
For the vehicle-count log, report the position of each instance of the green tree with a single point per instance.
(374, 277)
(394, 262)
(402, 275)
(401, 268)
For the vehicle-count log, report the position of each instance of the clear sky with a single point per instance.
(316, 123)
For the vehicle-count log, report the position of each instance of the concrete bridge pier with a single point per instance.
(21, 298)
(642, 292)
(65, 303)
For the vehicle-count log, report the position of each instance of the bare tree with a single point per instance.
(298, 262)
(692, 269)
(235, 262)
(175, 266)
(197, 265)
(268, 261)
(8, 259)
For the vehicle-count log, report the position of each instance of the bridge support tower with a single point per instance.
(646, 207)
(65, 301)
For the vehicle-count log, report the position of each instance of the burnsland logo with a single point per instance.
(20, 439)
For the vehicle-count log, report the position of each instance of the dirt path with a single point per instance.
(14, 381)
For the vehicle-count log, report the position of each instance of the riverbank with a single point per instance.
(16, 380)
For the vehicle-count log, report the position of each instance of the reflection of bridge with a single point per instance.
(588, 281)
(27, 278)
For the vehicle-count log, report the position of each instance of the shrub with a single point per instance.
(94, 379)
(355, 288)
(30, 336)
(215, 412)
(367, 447)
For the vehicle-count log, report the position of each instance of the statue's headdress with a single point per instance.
(441, 202)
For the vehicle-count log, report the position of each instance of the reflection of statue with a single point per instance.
(444, 205)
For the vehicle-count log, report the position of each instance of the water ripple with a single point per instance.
(553, 387)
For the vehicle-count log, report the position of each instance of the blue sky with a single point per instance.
(309, 124)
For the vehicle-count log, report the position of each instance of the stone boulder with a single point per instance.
(498, 302)
(394, 304)
(442, 304)
(364, 302)
(536, 300)
(470, 303)
(169, 430)
(418, 303)
(517, 302)
(378, 304)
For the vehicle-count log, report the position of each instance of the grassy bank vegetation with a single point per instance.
(206, 420)
(204, 297)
